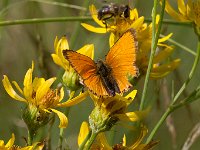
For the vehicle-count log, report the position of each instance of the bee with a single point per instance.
(113, 10)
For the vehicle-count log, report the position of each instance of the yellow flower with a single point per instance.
(70, 77)
(116, 27)
(109, 110)
(40, 98)
(161, 65)
(10, 145)
(101, 142)
(144, 37)
(188, 12)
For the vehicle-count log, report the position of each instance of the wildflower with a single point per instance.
(40, 99)
(144, 38)
(101, 142)
(109, 110)
(10, 145)
(118, 26)
(70, 77)
(188, 12)
(161, 65)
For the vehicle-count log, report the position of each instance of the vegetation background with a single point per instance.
(20, 44)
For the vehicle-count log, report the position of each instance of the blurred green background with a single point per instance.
(20, 44)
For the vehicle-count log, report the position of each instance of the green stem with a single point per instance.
(194, 66)
(30, 137)
(162, 119)
(171, 22)
(61, 19)
(90, 141)
(81, 147)
(172, 107)
(43, 20)
(181, 46)
(155, 37)
(13, 5)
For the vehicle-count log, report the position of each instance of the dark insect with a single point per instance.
(113, 10)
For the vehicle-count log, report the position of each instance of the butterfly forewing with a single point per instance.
(87, 70)
(121, 59)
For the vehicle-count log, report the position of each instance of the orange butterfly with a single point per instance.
(106, 78)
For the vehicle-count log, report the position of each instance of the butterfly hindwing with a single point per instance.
(121, 59)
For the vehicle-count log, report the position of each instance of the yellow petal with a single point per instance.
(182, 7)
(173, 13)
(94, 13)
(62, 117)
(55, 43)
(28, 89)
(11, 141)
(124, 140)
(9, 89)
(17, 86)
(140, 138)
(165, 38)
(101, 138)
(167, 67)
(1, 143)
(44, 88)
(87, 50)
(137, 24)
(131, 95)
(29, 148)
(62, 93)
(37, 82)
(63, 44)
(131, 116)
(75, 100)
(57, 60)
(133, 14)
(162, 55)
(84, 130)
(112, 39)
(94, 29)
(163, 70)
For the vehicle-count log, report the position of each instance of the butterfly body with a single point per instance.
(105, 73)
(106, 78)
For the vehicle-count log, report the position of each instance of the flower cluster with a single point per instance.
(110, 84)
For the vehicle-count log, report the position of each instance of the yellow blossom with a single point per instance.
(161, 68)
(40, 98)
(10, 145)
(118, 26)
(188, 12)
(101, 142)
(70, 77)
(109, 110)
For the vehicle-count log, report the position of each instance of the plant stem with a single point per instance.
(64, 19)
(171, 22)
(155, 37)
(85, 140)
(162, 119)
(173, 107)
(90, 140)
(30, 137)
(43, 20)
(194, 66)
(181, 46)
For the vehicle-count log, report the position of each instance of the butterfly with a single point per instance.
(106, 78)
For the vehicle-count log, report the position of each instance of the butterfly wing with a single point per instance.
(87, 70)
(122, 57)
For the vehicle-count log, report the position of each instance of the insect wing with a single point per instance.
(87, 70)
(121, 58)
